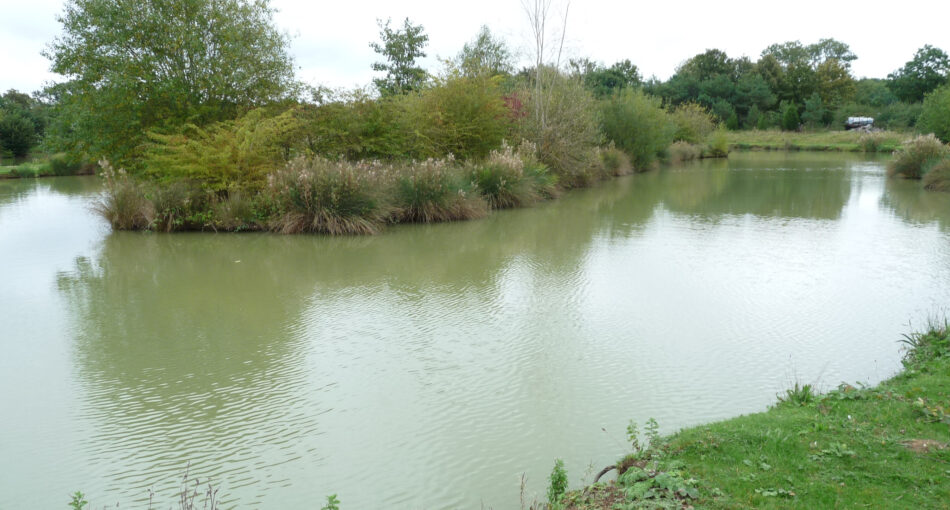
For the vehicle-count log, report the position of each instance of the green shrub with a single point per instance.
(32, 169)
(318, 195)
(638, 125)
(560, 120)
(790, 119)
(935, 117)
(732, 122)
(916, 154)
(558, 482)
(937, 177)
(692, 123)
(463, 116)
(177, 205)
(752, 118)
(435, 190)
(17, 133)
(61, 165)
(682, 151)
(358, 127)
(717, 145)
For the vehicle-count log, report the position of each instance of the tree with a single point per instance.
(401, 48)
(538, 12)
(790, 119)
(831, 49)
(486, 55)
(935, 117)
(815, 113)
(834, 82)
(22, 122)
(709, 64)
(133, 67)
(603, 81)
(873, 92)
(17, 133)
(925, 72)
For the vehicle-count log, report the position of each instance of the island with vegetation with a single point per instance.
(197, 122)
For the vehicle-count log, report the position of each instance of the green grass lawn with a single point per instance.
(848, 141)
(882, 447)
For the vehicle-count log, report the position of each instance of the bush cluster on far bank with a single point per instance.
(925, 158)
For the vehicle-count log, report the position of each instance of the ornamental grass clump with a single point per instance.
(435, 190)
(615, 163)
(872, 142)
(123, 203)
(682, 151)
(937, 176)
(513, 178)
(917, 154)
(330, 197)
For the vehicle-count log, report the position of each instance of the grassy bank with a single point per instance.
(46, 166)
(856, 447)
(842, 141)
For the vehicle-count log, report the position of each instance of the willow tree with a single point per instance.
(132, 66)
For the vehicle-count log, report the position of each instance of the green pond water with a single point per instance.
(432, 366)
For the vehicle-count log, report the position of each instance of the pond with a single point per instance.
(432, 366)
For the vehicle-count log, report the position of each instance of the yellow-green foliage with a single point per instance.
(463, 116)
(238, 153)
(717, 145)
(917, 153)
(692, 123)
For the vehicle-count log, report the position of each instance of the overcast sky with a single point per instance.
(330, 39)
